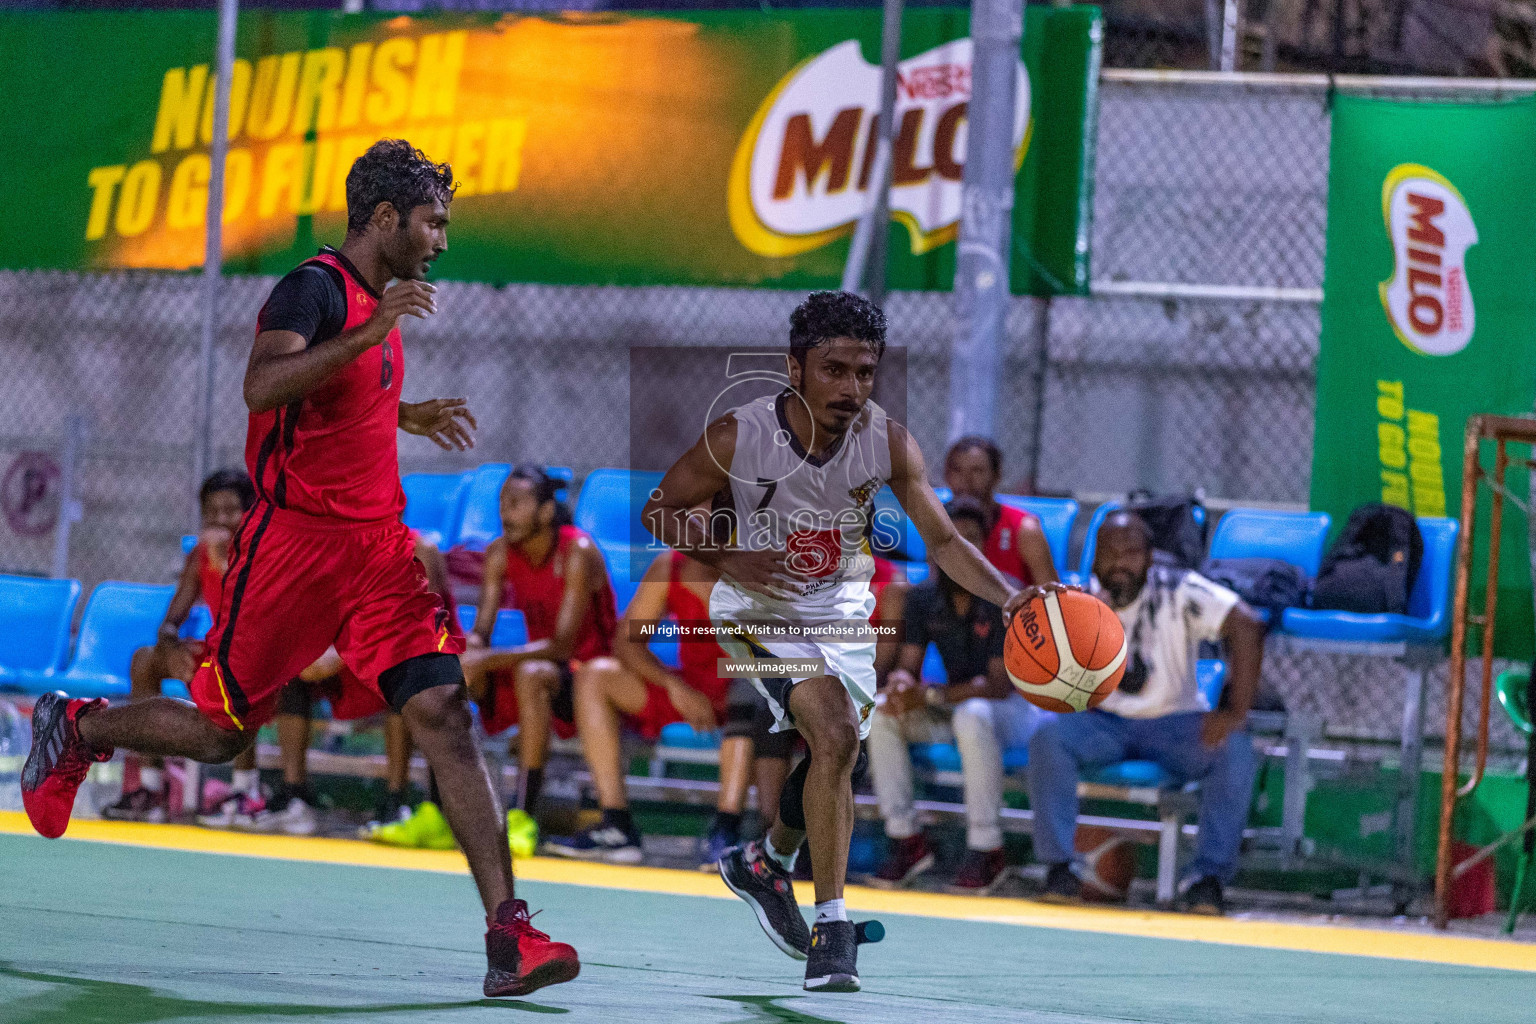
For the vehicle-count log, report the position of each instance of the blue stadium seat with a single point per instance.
(1428, 619)
(565, 476)
(610, 503)
(434, 505)
(35, 616)
(1056, 517)
(933, 665)
(681, 734)
(627, 565)
(916, 572)
(119, 619)
(1295, 537)
(480, 521)
(188, 542)
(666, 650)
(199, 622)
(894, 536)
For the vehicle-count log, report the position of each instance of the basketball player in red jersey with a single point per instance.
(322, 558)
(556, 577)
(1016, 545)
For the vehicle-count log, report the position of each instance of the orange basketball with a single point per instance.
(1065, 651)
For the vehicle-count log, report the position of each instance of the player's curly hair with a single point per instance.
(229, 480)
(827, 315)
(394, 171)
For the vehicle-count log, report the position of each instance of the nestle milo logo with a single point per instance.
(801, 175)
(1428, 299)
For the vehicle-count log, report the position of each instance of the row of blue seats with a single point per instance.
(608, 505)
(453, 509)
(119, 618)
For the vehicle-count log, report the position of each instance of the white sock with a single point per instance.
(832, 910)
(152, 779)
(784, 860)
(246, 780)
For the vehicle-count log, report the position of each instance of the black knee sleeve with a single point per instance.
(792, 796)
(294, 699)
(415, 675)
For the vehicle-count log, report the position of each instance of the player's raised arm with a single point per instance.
(954, 554)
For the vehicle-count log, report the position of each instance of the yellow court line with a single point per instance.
(1458, 950)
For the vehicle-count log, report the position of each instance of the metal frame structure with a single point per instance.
(1502, 430)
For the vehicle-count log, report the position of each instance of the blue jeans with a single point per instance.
(1066, 746)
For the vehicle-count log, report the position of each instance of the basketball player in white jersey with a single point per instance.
(800, 469)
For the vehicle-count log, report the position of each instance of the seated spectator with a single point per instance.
(633, 688)
(1015, 544)
(223, 500)
(1157, 714)
(979, 711)
(554, 574)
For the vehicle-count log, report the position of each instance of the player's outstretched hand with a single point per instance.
(447, 421)
(404, 298)
(1028, 594)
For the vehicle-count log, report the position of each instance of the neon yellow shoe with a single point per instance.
(425, 829)
(522, 833)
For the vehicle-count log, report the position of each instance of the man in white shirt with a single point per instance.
(1157, 714)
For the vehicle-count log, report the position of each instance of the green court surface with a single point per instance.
(93, 932)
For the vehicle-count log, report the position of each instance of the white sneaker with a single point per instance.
(296, 819)
(238, 811)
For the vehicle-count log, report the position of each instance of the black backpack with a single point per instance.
(1262, 582)
(1372, 565)
(1178, 524)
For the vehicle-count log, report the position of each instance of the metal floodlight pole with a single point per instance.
(986, 218)
(865, 268)
(213, 245)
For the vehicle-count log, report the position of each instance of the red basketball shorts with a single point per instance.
(297, 584)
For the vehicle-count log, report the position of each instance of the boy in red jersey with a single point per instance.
(223, 499)
(1016, 546)
(322, 558)
(554, 574)
(634, 687)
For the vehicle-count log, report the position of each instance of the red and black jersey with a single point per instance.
(332, 453)
(539, 590)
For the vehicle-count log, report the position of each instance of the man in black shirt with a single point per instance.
(978, 710)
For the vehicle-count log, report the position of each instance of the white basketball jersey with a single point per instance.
(818, 510)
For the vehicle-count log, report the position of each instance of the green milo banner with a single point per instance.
(1429, 312)
(714, 148)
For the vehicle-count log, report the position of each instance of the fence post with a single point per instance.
(986, 218)
(69, 505)
(213, 239)
(866, 254)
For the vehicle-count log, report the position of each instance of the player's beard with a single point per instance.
(1122, 587)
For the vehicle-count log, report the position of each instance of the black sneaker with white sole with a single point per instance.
(833, 965)
(770, 892)
(605, 843)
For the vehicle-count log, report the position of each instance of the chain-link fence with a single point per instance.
(1191, 366)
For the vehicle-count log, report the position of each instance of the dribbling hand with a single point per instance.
(1028, 594)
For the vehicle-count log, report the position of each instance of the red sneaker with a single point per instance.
(521, 958)
(57, 763)
(907, 859)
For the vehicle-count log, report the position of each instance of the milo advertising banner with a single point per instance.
(718, 148)
(1429, 312)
